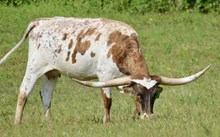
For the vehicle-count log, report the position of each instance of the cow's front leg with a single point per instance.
(107, 102)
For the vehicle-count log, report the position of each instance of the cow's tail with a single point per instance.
(29, 28)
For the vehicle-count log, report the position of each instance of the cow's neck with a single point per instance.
(126, 54)
(134, 65)
(138, 69)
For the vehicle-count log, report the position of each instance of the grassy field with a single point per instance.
(174, 45)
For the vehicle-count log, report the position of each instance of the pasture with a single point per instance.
(174, 45)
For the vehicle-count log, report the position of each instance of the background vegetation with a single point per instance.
(174, 44)
(131, 6)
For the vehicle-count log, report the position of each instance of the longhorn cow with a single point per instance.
(84, 49)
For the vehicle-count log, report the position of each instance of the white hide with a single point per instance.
(107, 92)
(148, 83)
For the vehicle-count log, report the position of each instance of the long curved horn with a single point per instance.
(181, 81)
(110, 83)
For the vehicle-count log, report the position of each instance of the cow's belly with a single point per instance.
(83, 72)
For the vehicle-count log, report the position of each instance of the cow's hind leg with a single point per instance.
(46, 92)
(26, 87)
(21, 101)
(107, 102)
(35, 68)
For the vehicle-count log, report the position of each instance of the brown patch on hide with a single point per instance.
(97, 37)
(68, 56)
(64, 36)
(59, 49)
(107, 102)
(92, 54)
(38, 46)
(91, 31)
(81, 46)
(70, 44)
(126, 54)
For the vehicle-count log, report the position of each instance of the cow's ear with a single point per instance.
(146, 82)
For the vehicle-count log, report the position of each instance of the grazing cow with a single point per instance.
(85, 49)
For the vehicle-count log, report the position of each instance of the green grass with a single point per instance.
(174, 44)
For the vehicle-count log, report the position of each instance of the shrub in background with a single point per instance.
(131, 6)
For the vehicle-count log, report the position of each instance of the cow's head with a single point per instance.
(145, 90)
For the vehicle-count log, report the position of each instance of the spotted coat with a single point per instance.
(78, 48)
